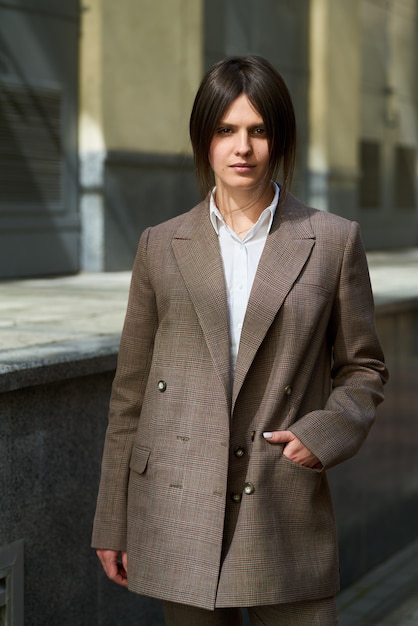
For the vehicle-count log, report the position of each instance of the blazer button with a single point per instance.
(239, 452)
(249, 488)
(236, 497)
(162, 386)
(288, 390)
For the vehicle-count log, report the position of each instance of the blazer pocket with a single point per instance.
(302, 468)
(139, 459)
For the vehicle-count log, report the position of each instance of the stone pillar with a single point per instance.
(92, 149)
(334, 102)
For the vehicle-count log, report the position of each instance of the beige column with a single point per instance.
(92, 148)
(152, 66)
(140, 65)
(334, 96)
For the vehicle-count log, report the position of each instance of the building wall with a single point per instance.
(39, 220)
(363, 113)
(389, 123)
(334, 106)
(350, 67)
(141, 65)
(278, 31)
(158, 46)
(136, 165)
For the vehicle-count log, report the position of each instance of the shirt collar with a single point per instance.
(217, 219)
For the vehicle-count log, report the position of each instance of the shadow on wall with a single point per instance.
(39, 224)
(142, 190)
(376, 493)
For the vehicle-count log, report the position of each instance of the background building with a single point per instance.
(39, 213)
(118, 79)
(351, 68)
(94, 106)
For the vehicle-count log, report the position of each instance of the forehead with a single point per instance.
(241, 109)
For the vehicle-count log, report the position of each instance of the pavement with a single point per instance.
(385, 596)
(46, 316)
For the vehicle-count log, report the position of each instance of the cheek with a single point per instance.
(215, 155)
(263, 154)
(212, 154)
(210, 159)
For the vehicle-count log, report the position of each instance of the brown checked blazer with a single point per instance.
(211, 514)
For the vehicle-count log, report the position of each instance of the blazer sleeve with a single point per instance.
(134, 359)
(336, 433)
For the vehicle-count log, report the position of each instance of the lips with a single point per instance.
(242, 167)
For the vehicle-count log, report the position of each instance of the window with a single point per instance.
(370, 166)
(405, 166)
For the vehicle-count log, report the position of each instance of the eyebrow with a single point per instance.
(229, 125)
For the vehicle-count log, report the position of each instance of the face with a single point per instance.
(239, 151)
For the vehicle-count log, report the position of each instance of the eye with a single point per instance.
(259, 131)
(222, 130)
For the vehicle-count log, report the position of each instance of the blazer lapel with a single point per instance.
(197, 253)
(285, 253)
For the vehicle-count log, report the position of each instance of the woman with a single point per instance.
(249, 364)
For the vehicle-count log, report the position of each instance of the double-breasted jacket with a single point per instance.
(211, 513)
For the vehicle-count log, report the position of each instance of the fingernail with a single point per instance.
(267, 435)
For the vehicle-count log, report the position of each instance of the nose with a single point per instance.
(243, 145)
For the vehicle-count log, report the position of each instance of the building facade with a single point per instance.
(95, 101)
(39, 215)
(350, 66)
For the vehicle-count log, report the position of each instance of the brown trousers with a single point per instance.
(321, 612)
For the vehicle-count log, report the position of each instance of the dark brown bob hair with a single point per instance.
(266, 90)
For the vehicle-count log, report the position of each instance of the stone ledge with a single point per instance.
(65, 327)
(392, 306)
(38, 365)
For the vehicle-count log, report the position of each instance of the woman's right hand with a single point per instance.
(115, 564)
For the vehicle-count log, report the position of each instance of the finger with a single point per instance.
(121, 577)
(279, 436)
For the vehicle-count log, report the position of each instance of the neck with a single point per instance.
(241, 210)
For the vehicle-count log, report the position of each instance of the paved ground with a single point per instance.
(386, 596)
(49, 314)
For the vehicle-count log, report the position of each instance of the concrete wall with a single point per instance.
(53, 415)
(376, 493)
